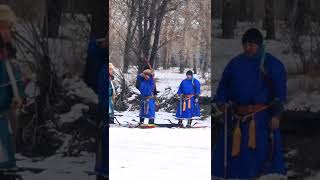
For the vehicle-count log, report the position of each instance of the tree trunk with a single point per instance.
(131, 29)
(251, 10)
(289, 5)
(99, 19)
(227, 21)
(181, 62)
(195, 65)
(269, 19)
(53, 18)
(164, 59)
(186, 33)
(149, 19)
(205, 41)
(243, 11)
(159, 20)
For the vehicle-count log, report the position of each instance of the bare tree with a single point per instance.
(269, 19)
(185, 35)
(131, 29)
(150, 17)
(49, 87)
(53, 18)
(195, 65)
(205, 40)
(299, 27)
(182, 62)
(243, 10)
(166, 48)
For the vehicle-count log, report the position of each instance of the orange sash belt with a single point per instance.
(187, 98)
(250, 112)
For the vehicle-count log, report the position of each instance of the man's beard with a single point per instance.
(250, 54)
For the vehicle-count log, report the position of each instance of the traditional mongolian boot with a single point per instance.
(189, 123)
(151, 121)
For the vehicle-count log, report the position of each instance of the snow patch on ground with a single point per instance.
(315, 177)
(161, 118)
(305, 102)
(76, 87)
(273, 177)
(66, 142)
(58, 167)
(75, 113)
(160, 153)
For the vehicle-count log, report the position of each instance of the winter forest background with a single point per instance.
(171, 35)
(291, 29)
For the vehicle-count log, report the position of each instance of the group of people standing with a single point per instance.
(188, 95)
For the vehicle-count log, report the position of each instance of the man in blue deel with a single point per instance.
(96, 58)
(251, 92)
(102, 156)
(146, 85)
(188, 106)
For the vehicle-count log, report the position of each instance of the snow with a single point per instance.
(305, 102)
(66, 142)
(132, 97)
(314, 177)
(292, 153)
(73, 115)
(160, 153)
(58, 167)
(273, 177)
(161, 118)
(76, 87)
(32, 89)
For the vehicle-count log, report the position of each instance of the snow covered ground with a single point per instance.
(57, 167)
(161, 118)
(160, 153)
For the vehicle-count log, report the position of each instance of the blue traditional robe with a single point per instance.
(111, 109)
(96, 58)
(242, 83)
(102, 158)
(7, 159)
(188, 108)
(147, 99)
